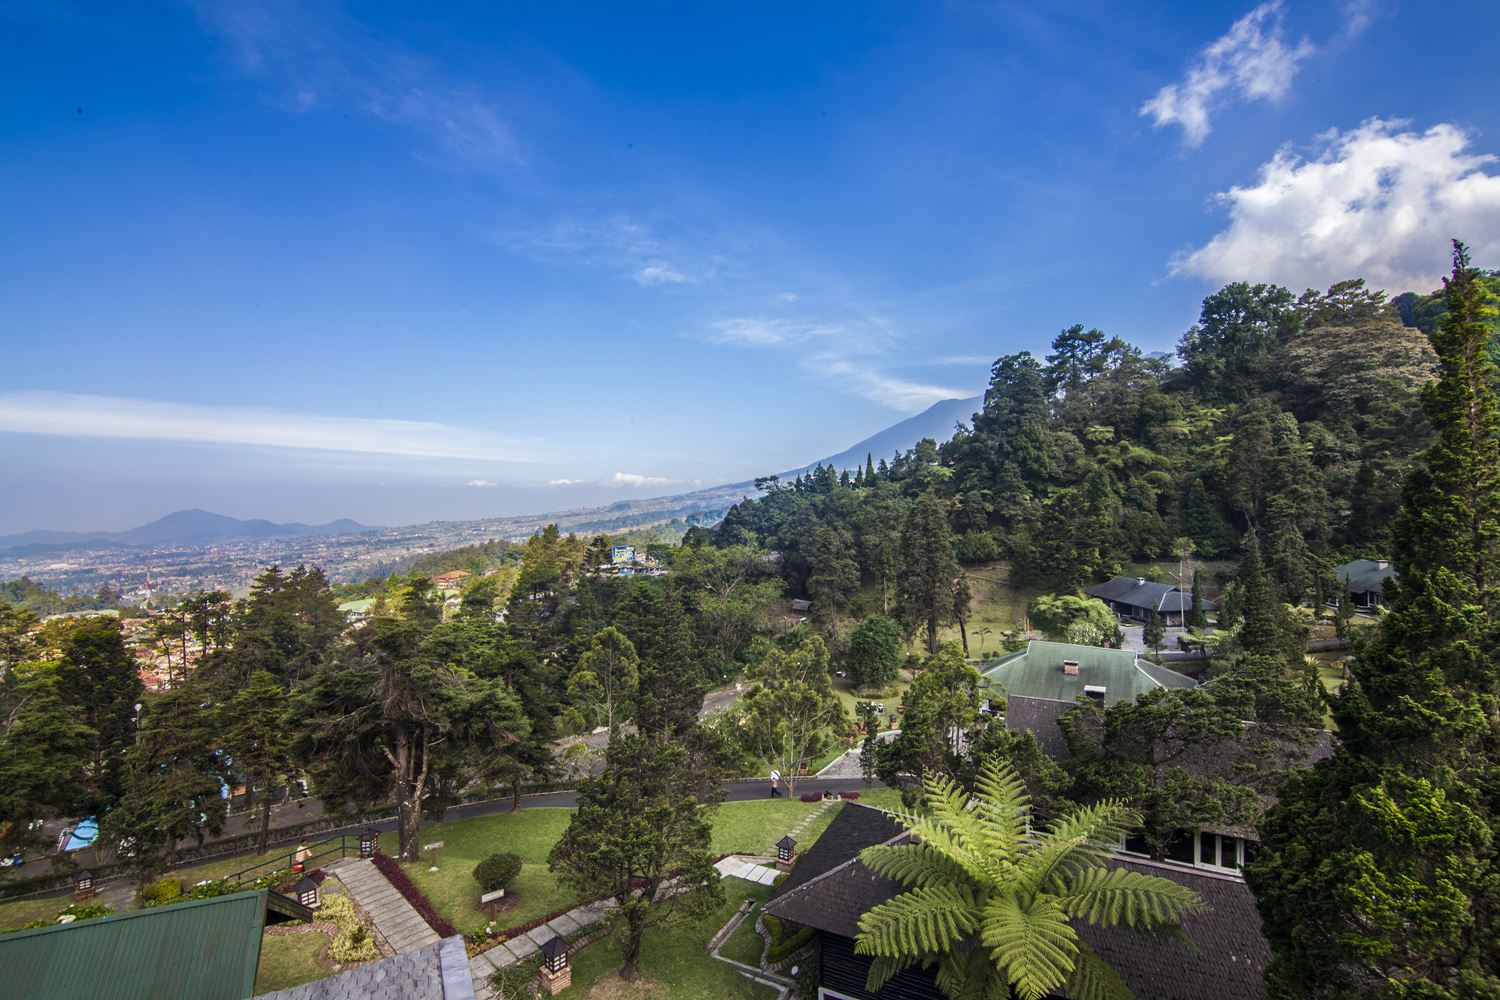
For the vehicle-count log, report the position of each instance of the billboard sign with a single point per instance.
(622, 554)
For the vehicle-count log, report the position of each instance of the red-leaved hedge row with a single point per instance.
(396, 875)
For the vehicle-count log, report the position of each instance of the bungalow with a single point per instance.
(207, 949)
(1135, 598)
(1365, 580)
(830, 889)
(1064, 672)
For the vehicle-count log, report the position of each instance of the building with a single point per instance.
(207, 949)
(801, 607)
(1134, 598)
(830, 889)
(1365, 580)
(452, 580)
(1063, 672)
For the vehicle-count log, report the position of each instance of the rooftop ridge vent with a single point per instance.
(1070, 667)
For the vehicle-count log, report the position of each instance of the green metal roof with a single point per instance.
(1037, 672)
(204, 950)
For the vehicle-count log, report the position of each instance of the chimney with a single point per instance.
(1140, 581)
(1070, 667)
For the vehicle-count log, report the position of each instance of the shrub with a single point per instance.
(784, 940)
(163, 890)
(497, 871)
(354, 946)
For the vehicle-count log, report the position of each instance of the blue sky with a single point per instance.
(304, 260)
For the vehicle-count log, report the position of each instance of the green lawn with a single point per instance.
(288, 960)
(24, 911)
(996, 605)
(752, 827)
(674, 962)
(452, 889)
(745, 945)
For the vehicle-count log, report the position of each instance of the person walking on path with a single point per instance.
(775, 783)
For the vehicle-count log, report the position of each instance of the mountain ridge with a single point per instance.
(184, 527)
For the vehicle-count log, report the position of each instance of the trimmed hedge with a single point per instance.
(497, 871)
(783, 944)
(396, 875)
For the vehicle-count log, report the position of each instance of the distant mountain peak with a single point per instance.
(936, 422)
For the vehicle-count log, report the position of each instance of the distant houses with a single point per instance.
(1364, 580)
(1135, 598)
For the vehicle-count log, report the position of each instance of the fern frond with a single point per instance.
(886, 967)
(1110, 897)
(1093, 979)
(1001, 799)
(920, 923)
(914, 864)
(1035, 943)
(948, 804)
(1073, 844)
(971, 858)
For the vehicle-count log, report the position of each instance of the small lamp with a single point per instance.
(308, 893)
(367, 841)
(555, 955)
(83, 884)
(784, 848)
(554, 974)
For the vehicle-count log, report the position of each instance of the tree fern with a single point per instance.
(994, 907)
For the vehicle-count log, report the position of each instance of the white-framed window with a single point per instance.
(1206, 850)
(824, 993)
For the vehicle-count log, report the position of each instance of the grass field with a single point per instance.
(745, 945)
(24, 911)
(452, 889)
(288, 960)
(997, 605)
(674, 962)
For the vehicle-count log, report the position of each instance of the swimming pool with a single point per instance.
(83, 834)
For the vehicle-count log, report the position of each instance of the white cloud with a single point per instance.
(566, 482)
(615, 242)
(71, 415)
(1376, 203)
(636, 479)
(788, 297)
(759, 331)
(835, 352)
(1251, 61)
(1358, 15)
(480, 483)
(659, 272)
(897, 393)
(313, 60)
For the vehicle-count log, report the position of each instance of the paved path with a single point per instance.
(395, 920)
(747, 868)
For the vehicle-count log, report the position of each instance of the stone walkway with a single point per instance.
(395, 920)
(523, 946)
(847, 764)
(741, 866)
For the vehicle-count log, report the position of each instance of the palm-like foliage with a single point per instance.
(993, 904)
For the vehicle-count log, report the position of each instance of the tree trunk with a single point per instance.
(932, 626)
(265, 820)
(963, 633)
(635, 928)
(515, 791)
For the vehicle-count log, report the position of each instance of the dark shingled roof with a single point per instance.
(1365, 575)
(853, 829)
(1138, 593)
(1039, 717)
(1231, 951)
(437, 972)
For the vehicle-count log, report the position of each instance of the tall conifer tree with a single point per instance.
(1378, 874)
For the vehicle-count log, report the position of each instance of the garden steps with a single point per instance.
(396, 921)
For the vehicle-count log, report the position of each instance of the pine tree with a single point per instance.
(929, 571)
(869, 467)
(1378, 873)
(1196, 619)
(1155, 632)
(1266, 626)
